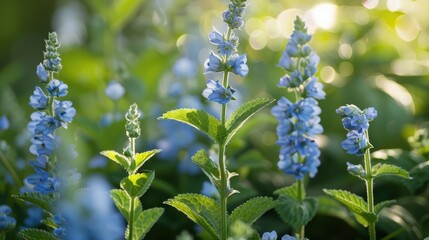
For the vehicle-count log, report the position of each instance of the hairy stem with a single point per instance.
(131, 223)
(369, 189)
(301, 195)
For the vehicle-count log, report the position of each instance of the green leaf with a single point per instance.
(123, 203)
(121, 12)
(354, 203)
(44, 202)
(199, 120)
(36, 234)
(242, 114)
(144, 222)
(297, 213)
(378, 207)
(252, 209)
(202, 160)
(289, 191)
(117, 157)
(200, 209)
(141, 158)
(379, 170)
(137, 184)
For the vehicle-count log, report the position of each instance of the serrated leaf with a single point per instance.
(202, 160)
(242, 114)
(378, 207)
(44, 202)
(137, 184)
(36, 234)
(289, 191)
(379, 170)
(49, 221)
(141, 158)
(121, 11)
(117, 157)
(123, 203)
(200, 120)
(144, 222)
(297, 213)
(252, 209)
(200, 209)
(354, 203)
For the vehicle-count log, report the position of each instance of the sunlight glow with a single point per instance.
(407, 27)
(285, 21)
(370, 4)
(258, 39)
(345, 51)
(393, 5)
(395, 91)
(323, 15)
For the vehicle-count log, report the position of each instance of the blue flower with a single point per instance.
(282, 110)
(287, 237)
(57, 88)
(42, 182)
(314, 89)
(269, 236)
(216, 37)
(4, 123)
(6, 222)
(114, 90)
(59, 231)
(356, 170)
(40, 162)
(34, 216)
(215, 92)
(370, 113)
(305, 109)
(238, 64)
(233, 16)
(213, 63)
(39, 100)
(287, 62)
(64, 111)
(355, 143)
(42, 144)
(42, 73)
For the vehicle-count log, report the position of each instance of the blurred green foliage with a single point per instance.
(373, 53)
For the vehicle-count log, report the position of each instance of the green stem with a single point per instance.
(131, 223)
(301, 196)
(11, 170)
(222, 161)
(369, 189)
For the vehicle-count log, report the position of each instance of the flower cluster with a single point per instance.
(299, 122)
(226, 59)
(50, 115)
(273, 236)
(6, 222)
(356, 122)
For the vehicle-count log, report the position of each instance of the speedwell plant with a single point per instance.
(213, 216)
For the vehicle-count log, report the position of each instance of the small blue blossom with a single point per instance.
(238, 64)
(114, 90)
(233, 16)
(216, 37)
(355, 143)
(356, 169)
(39, 100)
(6, 222)
(34, 216)
(370, 113)
(282, 110)
(213, 63)
(269, 235)
(355, 119)
(4, 123)
(42, 73)
(314, 89)
(64, 111)
(185, 68)
(57, 88)
(215, 92)
(59, 231)
(40, 162)
(42, 182)
(42, 144)
(288, 237)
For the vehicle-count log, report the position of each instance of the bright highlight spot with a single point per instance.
(370, 4)
(393, 5)
(258, 39)
(407, 27)
(345, 51)
(395, 91)
(285, 22)
(323, 15)
(327, 74)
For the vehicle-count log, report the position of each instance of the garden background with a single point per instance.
(372, 53)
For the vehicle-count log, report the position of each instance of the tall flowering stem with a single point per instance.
(135, 185)
(224, 60)
(299, 123)
(356, 122)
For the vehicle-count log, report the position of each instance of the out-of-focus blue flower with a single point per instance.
(355, 143)
(97, 161)
(269, 235)
(213, 63)
(185, 68)
(39, 100)
(42, 73)
(40, 162)
(215, 92)
(287, 237)
(64, 111)
(186, 165)
(4, 123)
(114, 90)
(238, 64)
(59, 231)
(6, 222)
(57, 88)
(34, 216)
(208, 189)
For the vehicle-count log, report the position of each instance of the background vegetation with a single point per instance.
(373, 53)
